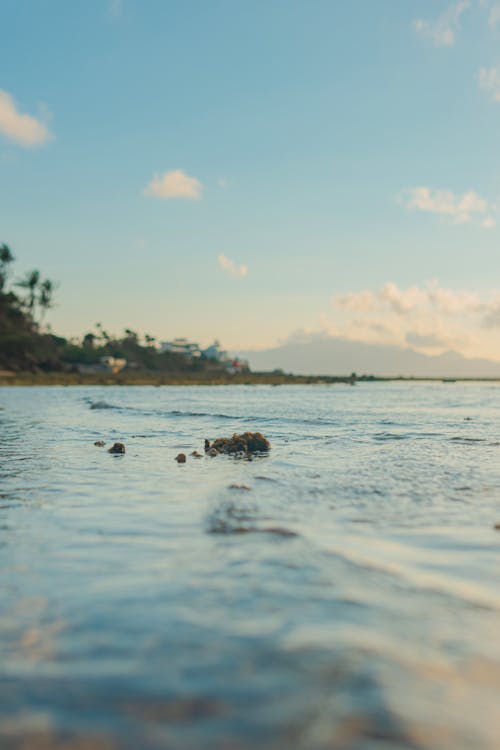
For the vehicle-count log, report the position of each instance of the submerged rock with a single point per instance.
(195, 454)
(248, 442)
(100, 443)
(101, 405)
(181, 458)
(239, 487)
(117, 448)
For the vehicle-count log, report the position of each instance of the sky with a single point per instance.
(257, 170)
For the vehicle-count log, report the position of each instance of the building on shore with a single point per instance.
(114, 364)
(181, 346)
(237, 365)
(215, 352)
(106, 364)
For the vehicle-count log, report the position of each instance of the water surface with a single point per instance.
(349, 598)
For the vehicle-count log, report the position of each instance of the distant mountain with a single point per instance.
(335, 356)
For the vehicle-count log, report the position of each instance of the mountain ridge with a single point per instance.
(328, 355)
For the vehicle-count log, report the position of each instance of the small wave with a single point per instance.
(467, 440)
(406, 435)
(188, 414)
(390, 436)
(369, 558)
(178, 413)
(275, 530)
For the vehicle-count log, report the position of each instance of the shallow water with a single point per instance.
(349, 599)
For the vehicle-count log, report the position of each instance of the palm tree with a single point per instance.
(131, 336)
(103, 335)
(30, 283)
(45, 296)
(88, 340)
(6, 257)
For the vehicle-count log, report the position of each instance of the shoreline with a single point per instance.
(158, 379)
(182, 379)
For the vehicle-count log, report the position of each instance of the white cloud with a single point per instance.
(491, 317)
(229, 266)
(493, 9)
(489, 81)
(22, 129)
(431, 298)
(494, 17)
(461, 209)
(174, 184)
(442, 30)
(428, 317)
(489, 223)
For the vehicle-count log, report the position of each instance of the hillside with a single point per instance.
(336, 356)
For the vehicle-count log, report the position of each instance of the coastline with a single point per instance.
(158, 379)
(182, 379)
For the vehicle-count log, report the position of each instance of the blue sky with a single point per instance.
(247, 170)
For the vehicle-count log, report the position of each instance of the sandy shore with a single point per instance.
(157, 379)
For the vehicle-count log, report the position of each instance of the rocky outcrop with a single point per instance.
(248, 442)
(117, 448)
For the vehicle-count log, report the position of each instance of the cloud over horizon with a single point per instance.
(174, 184)
(231, 268)
(25, 130)
(427, 317)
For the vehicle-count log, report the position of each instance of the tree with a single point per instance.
(103, 335)
(131, 336)
(45, 296)
(88, 340)
(6, 257)
(39, 293)
(30, 283)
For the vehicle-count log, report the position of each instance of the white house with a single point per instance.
(181, 346)
(214, 351)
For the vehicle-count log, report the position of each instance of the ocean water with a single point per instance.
(349, 598)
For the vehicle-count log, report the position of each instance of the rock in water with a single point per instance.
(248, 442)
(181, 458)
(117, 448)
(100, 443)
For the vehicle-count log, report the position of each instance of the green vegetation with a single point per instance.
(22, 345)
(28, 353)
